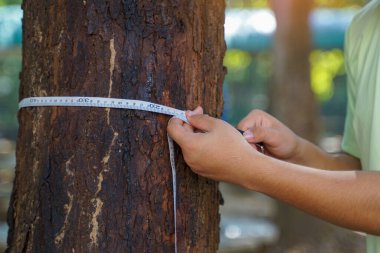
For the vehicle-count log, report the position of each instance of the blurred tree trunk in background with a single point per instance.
(99, 180)
(292, 101)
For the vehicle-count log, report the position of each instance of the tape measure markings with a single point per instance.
(104, 103)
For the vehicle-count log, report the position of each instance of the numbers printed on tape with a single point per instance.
(120, 104)
(103, 102)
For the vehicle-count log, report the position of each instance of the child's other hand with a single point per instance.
(279, 141)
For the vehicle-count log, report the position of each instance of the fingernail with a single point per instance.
(248, 135)
(190, 113)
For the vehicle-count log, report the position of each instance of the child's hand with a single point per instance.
(279, 141)
(211, 147)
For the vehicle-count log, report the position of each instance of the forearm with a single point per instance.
(219, 152)
(346, 198)
(311, 155)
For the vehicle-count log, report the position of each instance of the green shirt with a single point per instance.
(362, 129)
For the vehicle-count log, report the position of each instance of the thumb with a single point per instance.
(177, 131)
(202, 122)
(258, 134)
(198, 110)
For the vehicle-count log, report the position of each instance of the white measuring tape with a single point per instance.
(103, 102)
(121, 104)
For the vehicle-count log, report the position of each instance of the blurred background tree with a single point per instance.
(318, 3)
(297, 75)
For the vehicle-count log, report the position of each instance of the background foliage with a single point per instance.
(10, 65)
(318, 3)
(10, 2)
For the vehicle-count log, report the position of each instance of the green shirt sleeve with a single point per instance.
(349, 142)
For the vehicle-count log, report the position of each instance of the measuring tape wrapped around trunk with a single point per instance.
(121, 104)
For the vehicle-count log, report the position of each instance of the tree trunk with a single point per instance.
(99, 180)
(292, 101)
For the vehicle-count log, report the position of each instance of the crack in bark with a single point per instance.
(98, 203)
(61, 235)
(67, 166)
(112, 68)
(108, 154)
(98, 208)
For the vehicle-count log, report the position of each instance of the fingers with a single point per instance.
(255, 118)
(258, 134)
(178, 131)
(199, 120)
(244, 124)
(188, 127)
(250, 120)
(182, 132)
(202, 122)
(198, 110)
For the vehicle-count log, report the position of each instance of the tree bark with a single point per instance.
(99, 180)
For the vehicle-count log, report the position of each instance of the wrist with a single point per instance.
(256, 171)
(298, 155)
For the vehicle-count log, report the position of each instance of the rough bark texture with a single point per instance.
(292, 101)
(99, 180)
